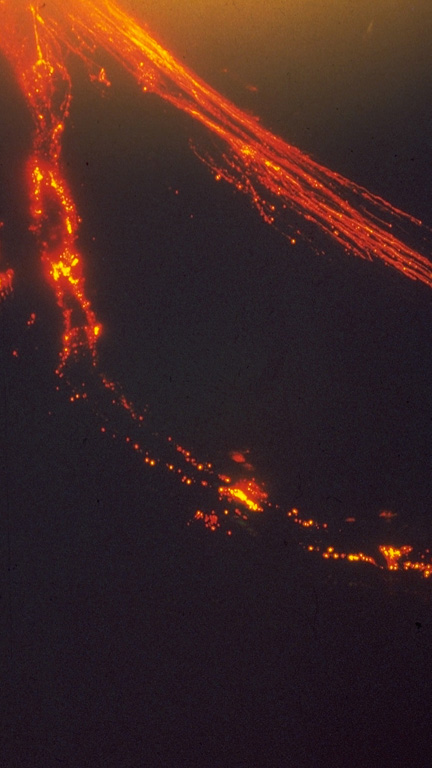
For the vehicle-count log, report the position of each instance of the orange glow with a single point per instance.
(247, 492)
(304, 522)
(275, 176)
(46, 86)
(238, 457)
(393, 556)
(6, 279)
(396, 560)
(352, 557)
(211, 520)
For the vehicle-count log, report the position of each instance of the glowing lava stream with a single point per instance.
(275, 176)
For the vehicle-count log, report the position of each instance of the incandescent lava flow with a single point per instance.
(278, 179)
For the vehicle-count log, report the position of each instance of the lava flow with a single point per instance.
(276, 177)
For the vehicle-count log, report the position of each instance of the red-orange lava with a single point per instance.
(36, 38)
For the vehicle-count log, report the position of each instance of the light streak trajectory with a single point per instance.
(275, 176)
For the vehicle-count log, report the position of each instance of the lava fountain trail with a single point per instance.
(275, 176)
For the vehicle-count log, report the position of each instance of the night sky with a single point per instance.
(129, 638)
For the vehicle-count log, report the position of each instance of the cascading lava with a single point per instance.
(278, 178)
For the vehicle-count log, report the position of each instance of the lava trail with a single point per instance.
(35, 38)
(276, 176)
(37, 60)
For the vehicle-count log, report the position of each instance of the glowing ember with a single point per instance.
(247, 492)
(276, 177)
(357, 557)
(393, 556)
(387, 515)
(305, 523)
